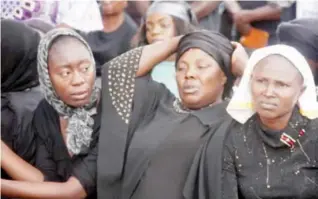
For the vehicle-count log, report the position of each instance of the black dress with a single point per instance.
(152, 147)
(52, 156)
(257, 164)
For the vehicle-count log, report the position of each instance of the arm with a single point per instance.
(204, 8)
(18, 168)
(141, 6)
(155, 53)
(48, 190)
(229, 175)
(268, 12)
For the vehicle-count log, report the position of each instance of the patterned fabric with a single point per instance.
(26, 9)
(121, 82)
(80, 122)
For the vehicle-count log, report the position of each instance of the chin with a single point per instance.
(80, 103)
(266, 114)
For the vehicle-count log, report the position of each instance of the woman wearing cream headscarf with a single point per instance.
(270, 149)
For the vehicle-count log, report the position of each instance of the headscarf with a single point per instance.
(301, 34)
(179, 9)
(214, 44)
(19, 45)
(240, 106)
(80, 122)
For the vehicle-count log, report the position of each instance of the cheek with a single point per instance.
(60, 87)
(170, 32)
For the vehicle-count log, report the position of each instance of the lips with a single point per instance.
(190, 88)
(268, 105)
(81, 95)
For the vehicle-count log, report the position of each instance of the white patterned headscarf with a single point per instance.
(80, 122)
(240, 106)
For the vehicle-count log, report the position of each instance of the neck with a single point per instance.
(113, 22)
(172, 57)
(276, 124)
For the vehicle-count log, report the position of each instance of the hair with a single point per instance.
(181, 27)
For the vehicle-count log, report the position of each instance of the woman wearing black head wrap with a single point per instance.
(20, 93)
(151, 136)
(302, 34)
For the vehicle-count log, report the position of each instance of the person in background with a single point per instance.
(302, 34)
(262, 15)
(114, 39)
(19, 80)
(207, 13)
(271, 149)
(162, 21)
(66, 123)
(137, 9)
(81, 15)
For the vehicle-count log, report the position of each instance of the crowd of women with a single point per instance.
(184, 114)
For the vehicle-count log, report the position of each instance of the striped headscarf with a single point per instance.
(80, 121)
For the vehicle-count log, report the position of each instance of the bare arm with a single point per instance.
(141, 6)
(17, 168)
(43, 190)
(204, 8)
(268, 12)
(156, 53)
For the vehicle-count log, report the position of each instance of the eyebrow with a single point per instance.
(68, 65)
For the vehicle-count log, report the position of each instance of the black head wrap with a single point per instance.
(39, 24)
(19, 44)
(301, 34)
(214, 44)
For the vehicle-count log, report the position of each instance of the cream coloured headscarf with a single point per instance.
(240, 106)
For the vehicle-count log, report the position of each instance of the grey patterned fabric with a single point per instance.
(80, 122)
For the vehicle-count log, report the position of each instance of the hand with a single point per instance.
(239, 59)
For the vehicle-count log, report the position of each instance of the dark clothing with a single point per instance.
(19, 45)
(20, 93)
(269, 26)
(16, 117)
(52, 156)
(153, 151)
(257, 164)
(106, 46)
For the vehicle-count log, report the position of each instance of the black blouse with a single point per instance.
(149, 143)
(52, 156)
(257, 164)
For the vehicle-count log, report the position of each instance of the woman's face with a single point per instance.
(159, 27)
(276, 86)
(200, 79)
(71, 71)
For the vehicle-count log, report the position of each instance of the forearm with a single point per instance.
(156, 53)
(204, 8)
(17, 168)
(268, 12)
(44, 190)
(232, 6)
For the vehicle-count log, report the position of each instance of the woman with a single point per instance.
(19, 80)
(273, 152)
(163, 20)
(120, 89)
(153, 146)
(66, 122)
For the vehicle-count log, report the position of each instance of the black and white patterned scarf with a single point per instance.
(80, 121)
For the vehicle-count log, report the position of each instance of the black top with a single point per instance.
(257, 164)
(269, 26)
(153, 153)
(52, 156)
(106, 46)
(15, 121)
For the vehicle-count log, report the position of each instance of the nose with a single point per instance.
(190, 73)
(269, 91)
(155, 30)
(77, 79)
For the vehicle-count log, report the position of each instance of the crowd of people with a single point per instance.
(159, 99)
